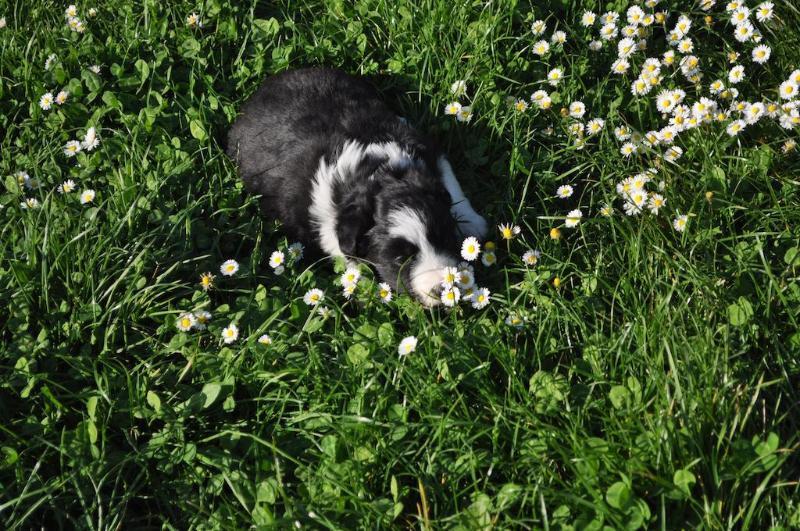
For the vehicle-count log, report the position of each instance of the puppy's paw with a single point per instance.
(474, 225)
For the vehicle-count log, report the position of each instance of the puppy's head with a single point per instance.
(397, 218)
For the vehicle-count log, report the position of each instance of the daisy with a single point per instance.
(735, 127)
(626, 47)
(92, 12)
(788, 146)
(229, 268)
(515, 321)
(276, 259)
(588, 19)
(520, 105)
(564, 191)
(668, 59)
(72, 148)
(71, 11)
(458, 88)
(788, 89)
(595, 45)
(666, 101)
(449, 275)
(717, 86)
(620, 66)
(264, 339)
(52, 58)
(295, 251)
(736, 74)
(407, 345)
(314, 296)
(508, 230)
(531, 257)
(595, 126)
(559, 37)
(673, 154)
(627, 149)
(385, 292)
(90, 139)
(573, 218)
(608, 32)
(452, 108)
(488, 259)
(740, 15)
(30, 203)
(193, 20)
(61, 97)
(450, 296)
(202, 318)
(743, 32)
(635, 15)
(470, 249)
(46, 101)
(348, 290)
(207, 280)
(555, 233)
(686, 45)
(754, 112)
(66, 187)
(465, 278)
(480, 298)
(764, 11)
(538, 27)
(679, 223)
(610, 17)
(87, 196)
(622, 133)
(540, 48)
(350, 276)
(606, 210)
(465, 114)
(95, 69)
(577, 109)
(656, 202)
(554, 76)
(185, 322)
(230, 333)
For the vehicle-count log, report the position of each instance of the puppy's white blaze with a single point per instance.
(426, 270)
(323, 208)
(470, 222)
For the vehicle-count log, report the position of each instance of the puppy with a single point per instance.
(348, 177)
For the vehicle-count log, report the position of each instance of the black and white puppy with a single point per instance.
(348, 177)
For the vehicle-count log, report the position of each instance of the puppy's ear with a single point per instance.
(356, 208)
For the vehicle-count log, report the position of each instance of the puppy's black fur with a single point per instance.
(302, 117)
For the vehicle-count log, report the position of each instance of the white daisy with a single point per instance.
(458, 88)
(314, 296)
(230, 333)
(385, 292)
(788, 89)
(87, 196)
(264, 339)
(46, 101)
(761, 54)
(553, 77)
(764, 11)
(185, 322)
(656, 202)
(450, 296)
(577, 109)
(72, 148)
(229, 268)
(66, 187)
(480, 298)
(564, 191)
(30, 203)
(735, 127)
(531, 257)
(90, 139)
(202, 318)
(452, 108)
(540, 48)
(276, 259)
(595, 126)
(736, 74)
(588, 18)
(573, 218)
(679, 223)
(470, 248)
(61, 97)
(407, 346)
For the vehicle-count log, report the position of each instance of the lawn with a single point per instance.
(636, 367)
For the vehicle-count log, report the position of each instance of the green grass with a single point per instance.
(657, 387)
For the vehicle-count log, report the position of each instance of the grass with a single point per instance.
(656, 387)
